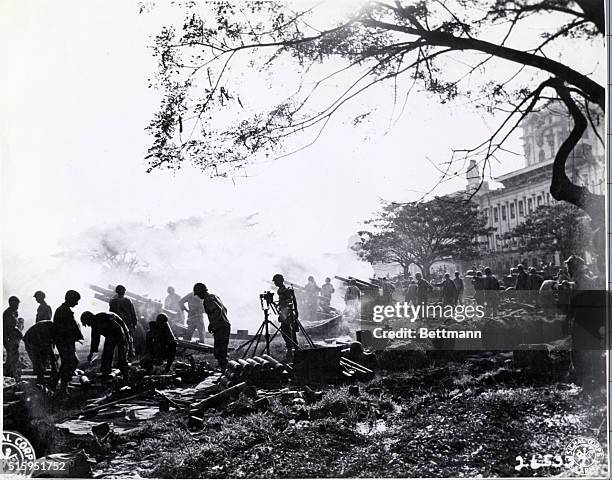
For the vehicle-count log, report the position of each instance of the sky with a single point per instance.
(73, 109)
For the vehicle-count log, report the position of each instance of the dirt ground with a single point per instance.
(450, 419)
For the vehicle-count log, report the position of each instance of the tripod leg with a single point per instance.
(308, 339)
(248, 343)
(284, 335)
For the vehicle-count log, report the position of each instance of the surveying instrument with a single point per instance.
(266, 301)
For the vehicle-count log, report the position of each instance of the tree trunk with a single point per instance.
(406, 268)
(426, 270)
(562, 188)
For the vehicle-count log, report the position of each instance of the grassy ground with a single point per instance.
(447, 421)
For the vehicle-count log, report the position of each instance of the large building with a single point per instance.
(526, 189)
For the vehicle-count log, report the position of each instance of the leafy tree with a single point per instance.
(423, 233)
(551, 228)
(484, 50)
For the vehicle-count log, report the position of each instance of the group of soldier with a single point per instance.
(118, 326)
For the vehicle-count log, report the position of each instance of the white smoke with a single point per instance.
(235, 257)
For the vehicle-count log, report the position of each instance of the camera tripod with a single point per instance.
(263, 332)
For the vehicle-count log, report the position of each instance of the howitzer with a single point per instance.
(363, 284)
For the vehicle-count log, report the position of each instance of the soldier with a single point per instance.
(107, 325)
(479, 293)
(287, 313)
(423, 289)
(44, 311)
(327, 290)
(218, 324)
(352, 296)
(458, 281)
(387, 291)
(195, 316)
(535, 282)
(562, 275)
(410, 292)
(161, 344)
(449, 291)
(491, 289)
(522, 280)
(312, 298)
(122, 306)
(576, 267)
(11, 336)
(172, 302)
(39, 341)
(67, 332)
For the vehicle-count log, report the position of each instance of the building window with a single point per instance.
(495, 215)
(530, 205)
(520, 208)
(503, 212)
(539, 199)
(512, 213)
(541, 156)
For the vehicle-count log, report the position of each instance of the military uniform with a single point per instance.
(124, 307)
(11, 336)
(218, 325)
(43, 312)
(287, 316)
(39, 340)
(67, 332)
(108, 325)
(161, 346)
(195, 316)
(327, 290)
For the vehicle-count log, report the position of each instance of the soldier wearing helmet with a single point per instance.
(67, 333)
(44, 311)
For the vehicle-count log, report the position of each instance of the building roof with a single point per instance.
(521, 171)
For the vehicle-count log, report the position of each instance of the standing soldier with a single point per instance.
(479, 293)
(352, 296)
(195, 315)
(449, 291)
(423, 289)
(218, 324)
(11, 336)
(39, 341)
(287, 313)
(522, 282)
(327, 290)
(67, 332)
(458, 281)
(312, 298)
(535, 282)
(44, 311)
(172, 303)
(410, 293)
(387, 291)
(491, 288)
(122, 306)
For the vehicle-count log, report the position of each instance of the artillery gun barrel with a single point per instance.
(103, 291)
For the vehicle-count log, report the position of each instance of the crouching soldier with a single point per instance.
(161, 344)
(218, 324)
(110, 327)
(39, 342)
